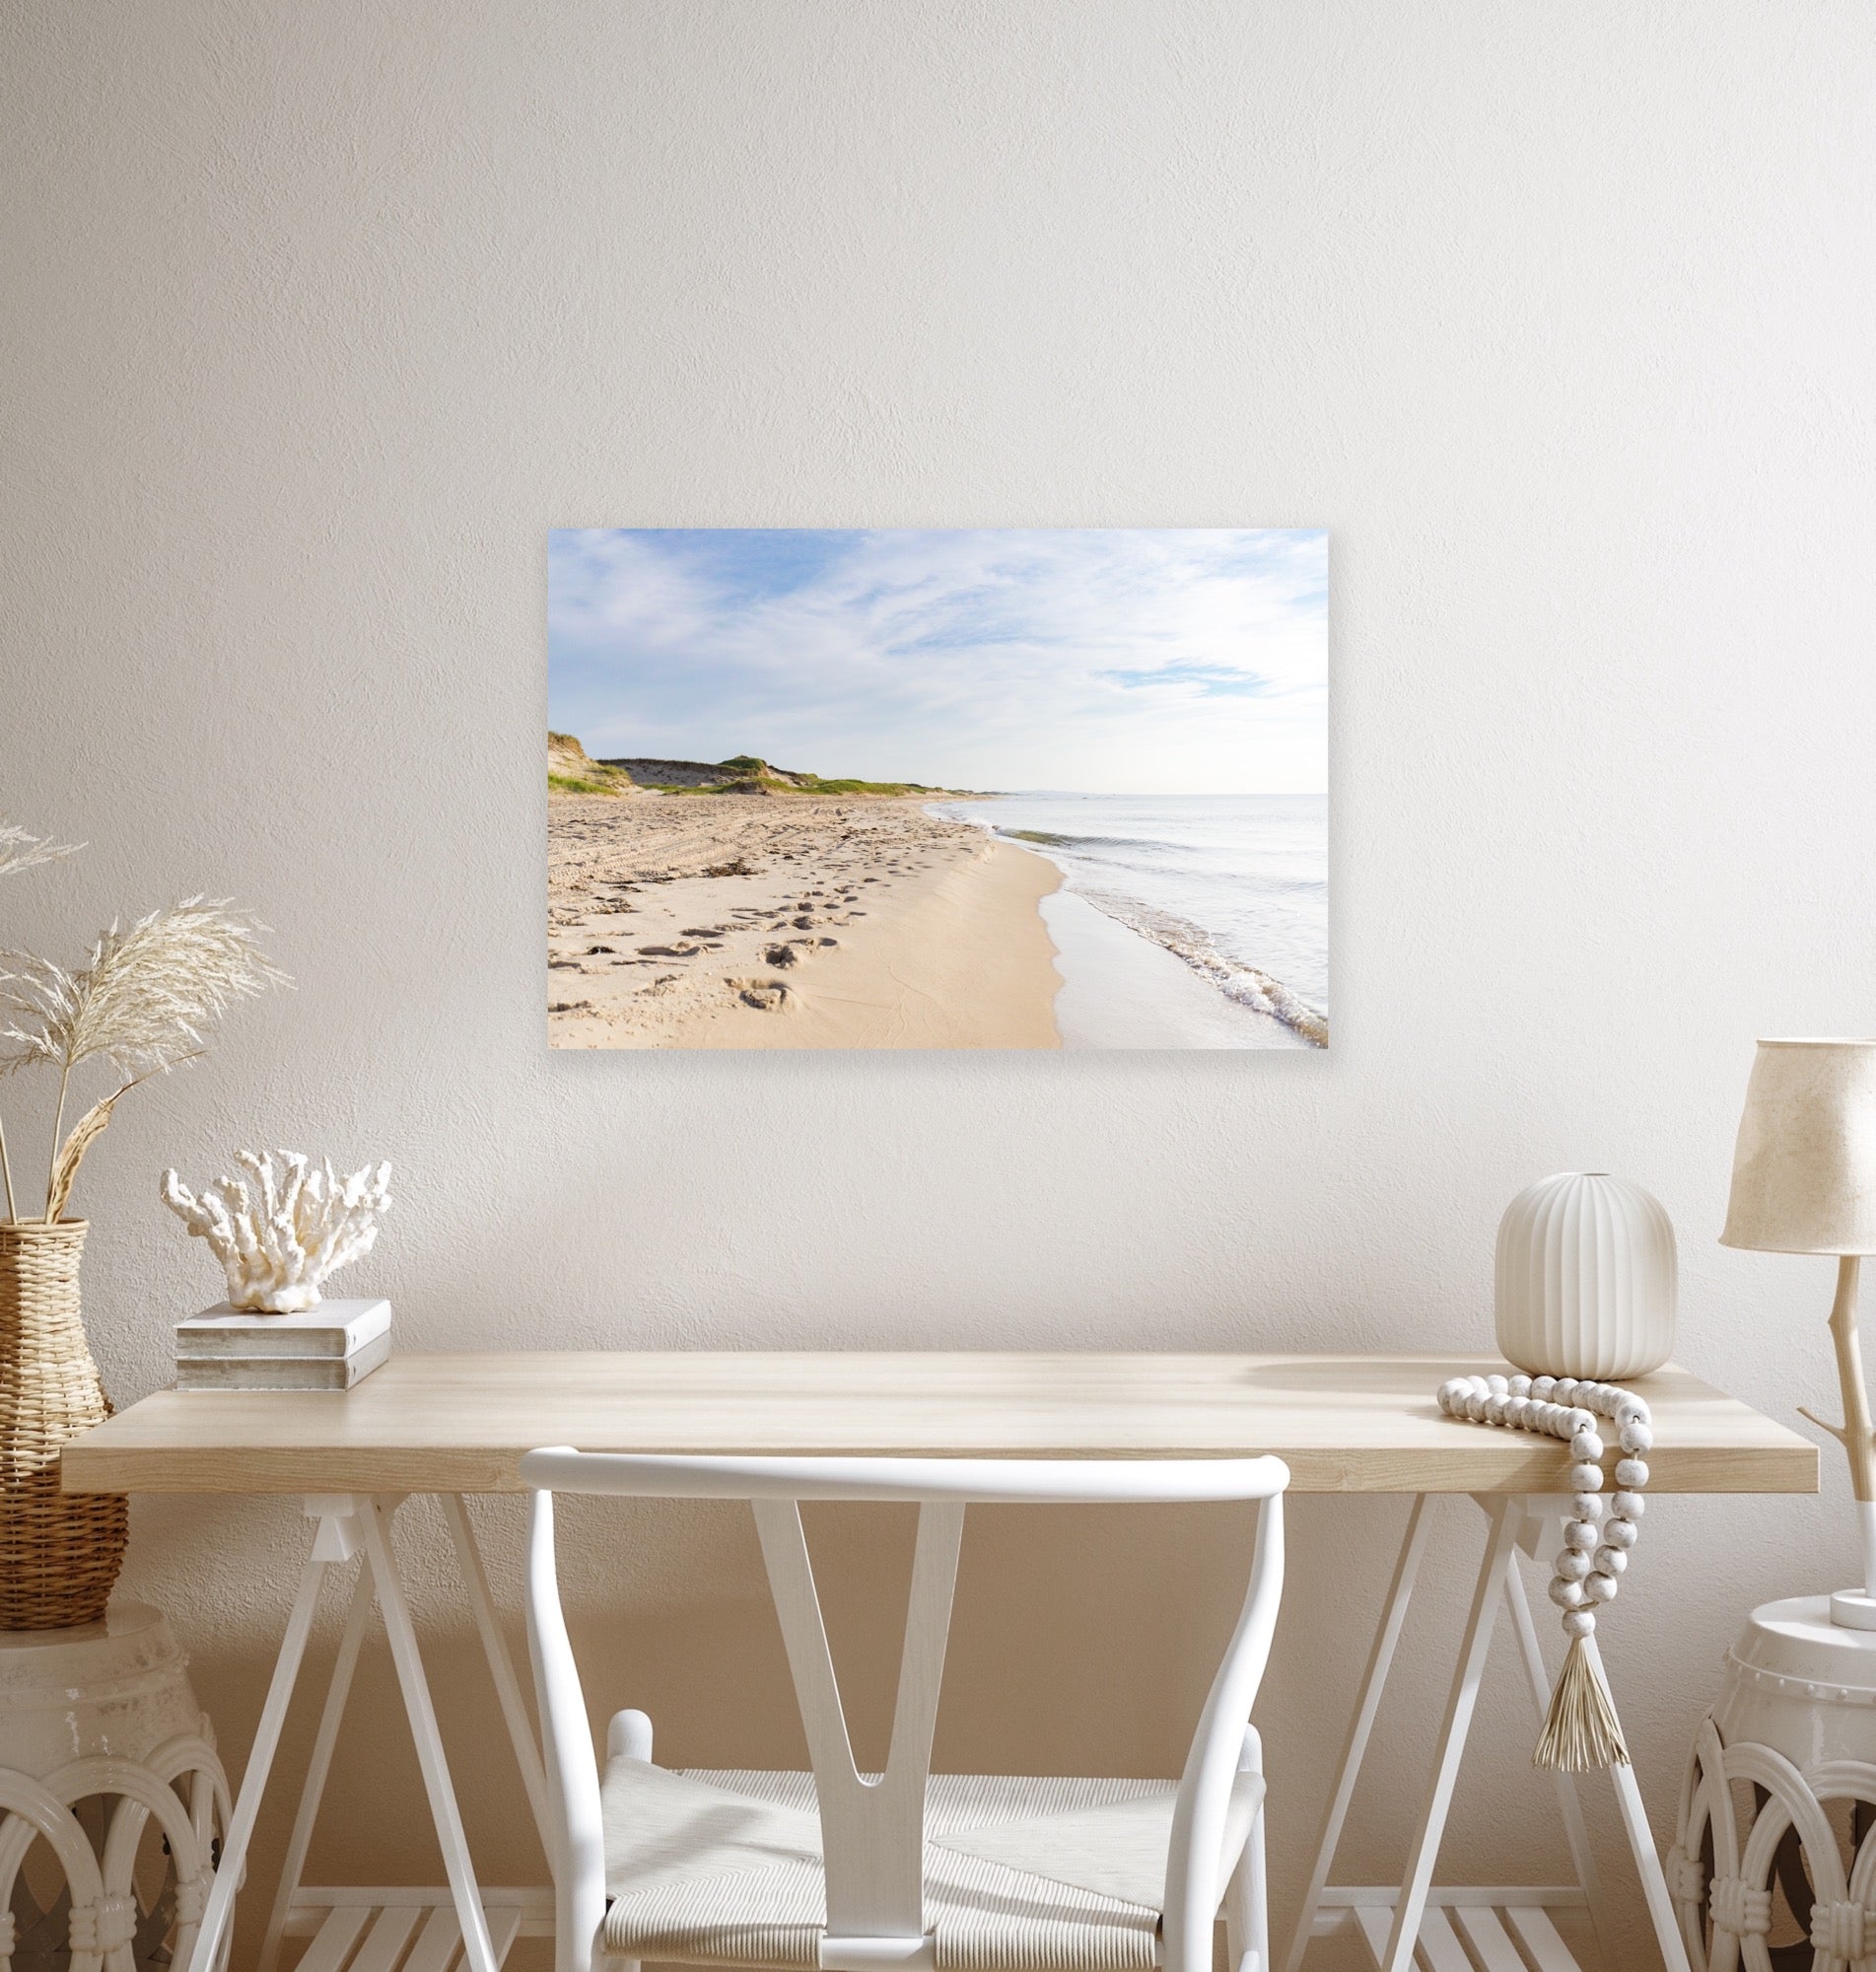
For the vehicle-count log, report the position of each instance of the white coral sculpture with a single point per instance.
(299, 1224)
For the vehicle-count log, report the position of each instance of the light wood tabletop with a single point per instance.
(459, 1422)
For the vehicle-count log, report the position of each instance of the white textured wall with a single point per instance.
(318, 316)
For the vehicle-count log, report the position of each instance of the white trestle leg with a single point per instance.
(1549, 1529)
(507, 1687)
(1400, 1595)
(211, 1941)
(1450, 1929)
(401, 1633)
(1461, 1701)
(319, 1766)
(461, 1929)
(1654, 1882)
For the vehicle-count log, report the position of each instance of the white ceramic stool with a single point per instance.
(1795, 1885)
(99, 1725)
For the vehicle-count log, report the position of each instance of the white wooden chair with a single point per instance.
(904, 1871)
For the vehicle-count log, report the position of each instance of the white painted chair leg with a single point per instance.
(1247, 1894)
(629, 1736)
(1247, 1906)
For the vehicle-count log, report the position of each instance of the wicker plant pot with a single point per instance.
(59, 1553)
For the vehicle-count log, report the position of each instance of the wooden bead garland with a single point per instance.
(1583, 1730)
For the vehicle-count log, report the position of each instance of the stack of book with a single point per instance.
(329, 1348)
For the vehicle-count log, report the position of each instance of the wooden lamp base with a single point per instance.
(1853, 1608)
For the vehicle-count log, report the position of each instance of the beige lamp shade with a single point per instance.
(1804, 1172)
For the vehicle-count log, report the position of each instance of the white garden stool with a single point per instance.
(1794, 1886)
(100, 1737)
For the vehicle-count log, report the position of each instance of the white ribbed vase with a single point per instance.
(1586, 1278)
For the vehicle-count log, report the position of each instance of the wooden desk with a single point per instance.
(460, 1424)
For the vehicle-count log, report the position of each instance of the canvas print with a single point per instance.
(938, 789)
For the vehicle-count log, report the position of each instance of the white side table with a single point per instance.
(105, 1715)
(1795, 1885)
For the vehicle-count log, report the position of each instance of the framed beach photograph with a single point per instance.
(895, 787)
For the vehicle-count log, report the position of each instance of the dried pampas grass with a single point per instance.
(146, 1001)
(145, 996)
(21, 851)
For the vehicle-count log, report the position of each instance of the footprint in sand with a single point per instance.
(780, 955)
(670, 950)
(766, 996)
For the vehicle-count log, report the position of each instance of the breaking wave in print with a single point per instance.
(1235, 886)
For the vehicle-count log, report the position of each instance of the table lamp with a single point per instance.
(1804, 1182)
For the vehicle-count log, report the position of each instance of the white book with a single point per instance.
(283, 1373)
(333, 1329)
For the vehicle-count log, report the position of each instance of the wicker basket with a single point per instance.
(59, 1553)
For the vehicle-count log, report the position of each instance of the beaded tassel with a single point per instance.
(1582, 1731)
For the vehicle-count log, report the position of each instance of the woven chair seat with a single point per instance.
(1020, 1875)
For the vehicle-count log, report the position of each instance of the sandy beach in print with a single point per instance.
(1067, 789)
(735, 921)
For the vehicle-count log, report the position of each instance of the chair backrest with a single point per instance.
(872, 1828)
